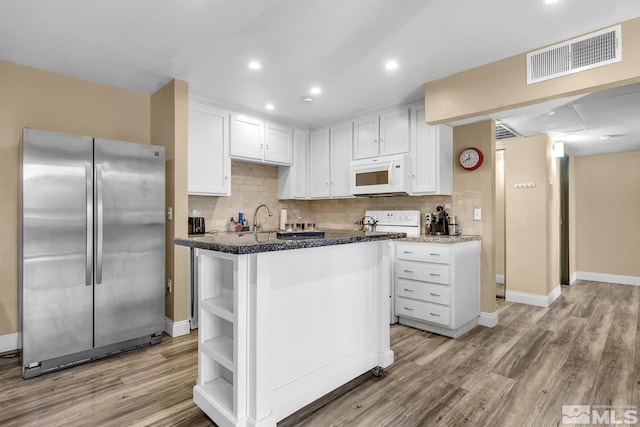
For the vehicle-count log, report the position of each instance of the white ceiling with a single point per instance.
(338, 45)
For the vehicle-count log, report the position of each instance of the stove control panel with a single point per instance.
(399, 218)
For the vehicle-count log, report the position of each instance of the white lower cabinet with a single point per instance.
(273, 337)
(437, 286)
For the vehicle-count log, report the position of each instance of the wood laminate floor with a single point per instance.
(583, 350)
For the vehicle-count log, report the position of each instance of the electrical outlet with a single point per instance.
(477, 214)
(170, 214)
(169, 286)
(447, 205)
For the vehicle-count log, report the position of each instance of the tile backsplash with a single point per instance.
(254, 184)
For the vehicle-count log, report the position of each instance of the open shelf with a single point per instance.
(221, 391)
(220, 306)
(221, 350)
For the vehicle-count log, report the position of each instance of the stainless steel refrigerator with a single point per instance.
(92, 241)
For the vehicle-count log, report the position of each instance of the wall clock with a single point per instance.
(470, 158)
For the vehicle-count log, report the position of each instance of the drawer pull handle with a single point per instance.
(434, 274)
(432, 294)
(408, 290)
(407, 252)
(408, 271)
(434, 254)
(407, 308)
(434, 314)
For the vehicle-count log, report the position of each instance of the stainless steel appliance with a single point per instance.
(196, 225)
(382, 176)
(92, 244)
(396, 222)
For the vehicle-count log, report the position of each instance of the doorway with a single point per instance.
(500, 237)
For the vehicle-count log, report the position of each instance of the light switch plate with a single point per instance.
(477, 214)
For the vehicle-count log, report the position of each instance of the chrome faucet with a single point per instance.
(255, 216)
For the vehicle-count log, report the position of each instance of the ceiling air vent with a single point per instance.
(503, 132)
(583, 53)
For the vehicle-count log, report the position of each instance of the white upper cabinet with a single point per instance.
(431, 155)
(394, 132)
(209, 166)
(381, 135)
(292, 180)
(255, 140)
(341, 142)
(365, 140)
(319, 163)
(278, 143)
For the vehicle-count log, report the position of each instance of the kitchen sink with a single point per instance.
(300, 234)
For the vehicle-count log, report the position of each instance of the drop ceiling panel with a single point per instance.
(563, 119)
(622, 109)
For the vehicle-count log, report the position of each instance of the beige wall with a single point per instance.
(605, 211)
(503, 85)
(48, 101)
(532, 215)
(482, 182)
(168, 126)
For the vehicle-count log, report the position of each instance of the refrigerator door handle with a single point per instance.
(99, 224)
(89, 220)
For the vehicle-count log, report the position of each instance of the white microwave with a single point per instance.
(382, 176)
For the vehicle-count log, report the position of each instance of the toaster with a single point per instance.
(196, 225)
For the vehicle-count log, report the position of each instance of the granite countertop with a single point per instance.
(427, 238)
(267, 241)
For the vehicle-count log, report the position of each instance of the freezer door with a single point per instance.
(129, 240)
(56, 290)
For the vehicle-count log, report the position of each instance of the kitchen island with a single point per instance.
(285, 321)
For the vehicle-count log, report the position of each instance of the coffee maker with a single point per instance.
(439, 222)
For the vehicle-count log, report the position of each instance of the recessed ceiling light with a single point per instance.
(269, 106)
(307, 99)
(552, 113)
(605, 137)
(255, 65)
(551, 1)
(391, 65)
(315, 90)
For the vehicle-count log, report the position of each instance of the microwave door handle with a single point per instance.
(390, 173)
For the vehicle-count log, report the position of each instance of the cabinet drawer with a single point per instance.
(423, 291)
(425, 252)
(422, 311)
(422, 271)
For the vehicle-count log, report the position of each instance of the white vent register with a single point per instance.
(593, 50)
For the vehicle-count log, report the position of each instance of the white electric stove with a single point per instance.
(397, 221)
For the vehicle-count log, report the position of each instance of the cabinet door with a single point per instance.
(365, 140)
(278, 144)
(319, 164)
(341, 142)
(432, 162)
(300, 169)
(209, 164)
(394, 132)
(247, 137)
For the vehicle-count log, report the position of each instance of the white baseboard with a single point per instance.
(573, 278)
(533, 299)
(609, 278)
(176, 329)
(10, 342)
(500, 279)
(488, 319)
